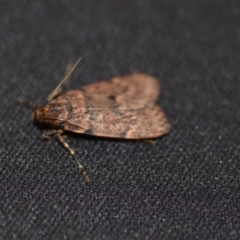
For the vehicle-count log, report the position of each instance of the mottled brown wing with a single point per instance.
(123, 107)
(132, 91)
(149, 122)
(136, 88)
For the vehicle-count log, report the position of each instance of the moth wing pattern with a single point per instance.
(123, 107)
(130, 88)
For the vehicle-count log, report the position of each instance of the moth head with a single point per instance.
(50, 114)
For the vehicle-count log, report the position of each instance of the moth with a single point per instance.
(123, 107)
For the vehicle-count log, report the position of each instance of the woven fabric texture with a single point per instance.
(186, 186)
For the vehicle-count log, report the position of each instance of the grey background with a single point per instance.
(184, 187)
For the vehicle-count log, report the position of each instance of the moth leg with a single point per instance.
(76, 149)
(151, 141)
(65, 136)
(48, 135)
(72, 152)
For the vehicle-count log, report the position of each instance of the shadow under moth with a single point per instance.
(123, 107)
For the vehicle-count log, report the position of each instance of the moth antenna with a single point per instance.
(71, 151)
(50, 96)
(70, 72)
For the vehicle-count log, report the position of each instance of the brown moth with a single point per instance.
(123, 107)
